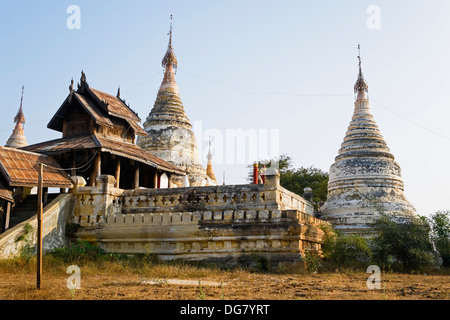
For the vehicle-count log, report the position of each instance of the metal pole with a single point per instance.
(39, 226)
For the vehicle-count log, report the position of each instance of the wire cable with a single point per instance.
(409, 120)
(73, 168)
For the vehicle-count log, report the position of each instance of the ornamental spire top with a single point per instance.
(17, 138)
(360, 85)
(169, 58)
(20, 117)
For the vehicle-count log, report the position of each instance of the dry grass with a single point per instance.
(127, 280)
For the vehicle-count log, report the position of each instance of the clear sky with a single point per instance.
(287, 67)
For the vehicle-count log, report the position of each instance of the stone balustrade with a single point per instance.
(211, 223)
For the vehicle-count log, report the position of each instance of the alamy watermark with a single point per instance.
(374, 20)
(374, 280)
(74, 281)
(238, 146)
(73, 22)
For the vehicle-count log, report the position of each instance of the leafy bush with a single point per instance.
(440, 235)
(312, 261)
(80, 251)
(407, 242)
(344, 250)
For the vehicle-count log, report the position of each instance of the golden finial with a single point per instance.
(169, 57)
(359, 56)
(20, 117)
(21, 97)
(170, 32)
(360, 84)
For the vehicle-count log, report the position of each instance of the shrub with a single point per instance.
(407, 242)
(312, 261)
(440, 235)
(344, 251)
(80, 251)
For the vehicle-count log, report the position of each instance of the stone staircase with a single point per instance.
(28, 208)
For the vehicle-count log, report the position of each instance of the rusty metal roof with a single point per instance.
(135, 152)
(137, 128)
(5, 193)
(117, 147)
(95, 113)
(101, 107)
(63, 145)
(115, 106)
(21, 169)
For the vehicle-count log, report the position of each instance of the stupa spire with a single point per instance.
(169, 58)
(169, 130)
(17, 138)
(20, 118)
(361, 88)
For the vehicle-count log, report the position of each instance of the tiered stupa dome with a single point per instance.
(17, 138)
(364, 177)
(169, 130)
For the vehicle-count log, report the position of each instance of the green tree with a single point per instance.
(344, 250)
(408, 242)
(297, 179)
(440, 235)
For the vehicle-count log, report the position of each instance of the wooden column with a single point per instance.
(155, 179)
(169, 182)
(118, 172)
(73, 173)
(45, 196)
(97, 168)
(40, 209)
(159, 181)
(7, 216)
(136, 176)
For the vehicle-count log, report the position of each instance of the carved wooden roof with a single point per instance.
(99, 105)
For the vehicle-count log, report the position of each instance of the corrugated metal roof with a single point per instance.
(137, 128)
(101, 107)
(120, 148)
(21, 168)
(5, 193)
(62, 145)
(95, 113)
(135, 152)
(116, 106)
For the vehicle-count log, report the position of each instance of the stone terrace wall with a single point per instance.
(223, 224)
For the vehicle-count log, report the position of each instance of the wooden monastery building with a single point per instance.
(98, 137)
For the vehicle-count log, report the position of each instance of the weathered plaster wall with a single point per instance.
(214, 223)
(56, 215)
(364, 179)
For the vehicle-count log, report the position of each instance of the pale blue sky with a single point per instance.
(249, 65)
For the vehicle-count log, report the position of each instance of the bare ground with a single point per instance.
(112, 281)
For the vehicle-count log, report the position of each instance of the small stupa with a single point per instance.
(17, 138)
(364, 179)
(209, 167)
